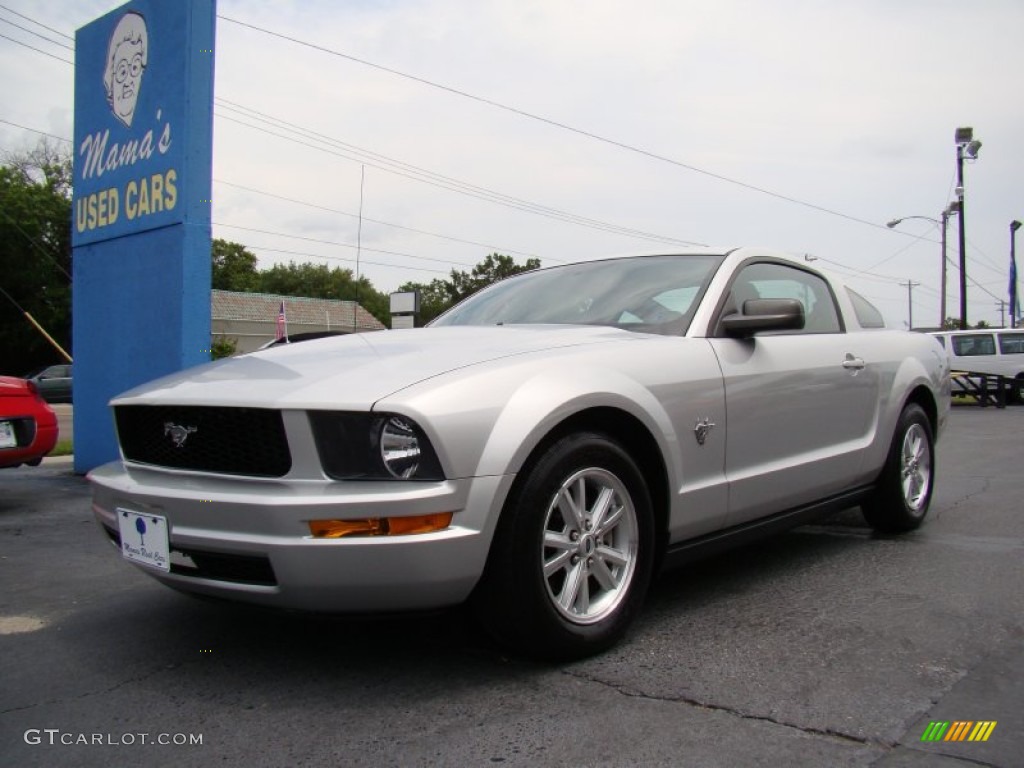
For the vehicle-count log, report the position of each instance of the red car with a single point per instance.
(28, 425)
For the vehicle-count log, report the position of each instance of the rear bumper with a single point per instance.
(44, 439)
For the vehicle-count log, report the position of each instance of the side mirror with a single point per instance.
(764, 315)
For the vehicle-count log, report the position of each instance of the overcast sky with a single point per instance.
(802, 126)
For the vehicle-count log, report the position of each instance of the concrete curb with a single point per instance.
(58, 461)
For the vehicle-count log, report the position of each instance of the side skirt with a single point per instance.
(710, 544)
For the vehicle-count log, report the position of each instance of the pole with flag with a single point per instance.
(1014, 295)
(282, 325)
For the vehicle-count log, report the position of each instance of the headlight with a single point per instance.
(373, 447)
(400, 448)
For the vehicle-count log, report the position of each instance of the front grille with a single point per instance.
(233, 441)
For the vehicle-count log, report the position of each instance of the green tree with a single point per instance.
(319, 281)
(492, 269)
(234, 267)
(438, 295)
(35, 256)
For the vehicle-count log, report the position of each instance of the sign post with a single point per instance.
(141, 209)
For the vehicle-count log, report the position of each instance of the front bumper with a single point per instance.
(249, 540)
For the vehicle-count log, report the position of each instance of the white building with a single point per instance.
(250, 319)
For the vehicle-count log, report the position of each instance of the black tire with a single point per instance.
(565, 579)
(904, 491)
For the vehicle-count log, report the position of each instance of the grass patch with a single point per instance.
(63, 448)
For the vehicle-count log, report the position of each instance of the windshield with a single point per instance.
(650, 294)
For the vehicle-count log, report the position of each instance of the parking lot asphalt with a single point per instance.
(828, 645)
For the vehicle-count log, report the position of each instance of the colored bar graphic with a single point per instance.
(982, 731)
(959, 730)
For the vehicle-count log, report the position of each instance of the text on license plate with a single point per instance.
(144, 539)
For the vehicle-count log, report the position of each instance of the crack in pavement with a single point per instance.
(986, 481)
(827, 732)
(90, 694)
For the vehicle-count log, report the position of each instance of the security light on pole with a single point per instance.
(967, 145)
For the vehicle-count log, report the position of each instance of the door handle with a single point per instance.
(852, 363)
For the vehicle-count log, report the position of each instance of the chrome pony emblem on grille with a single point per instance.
(178, 433)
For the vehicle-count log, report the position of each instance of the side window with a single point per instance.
(974, 345)
(779, 281)
(867, 315)
(1011, 343)
(941, 340)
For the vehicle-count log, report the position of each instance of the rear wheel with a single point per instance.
(572, 557)
(904, 490)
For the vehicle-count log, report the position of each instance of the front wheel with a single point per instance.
(904, 492)
(572, 556)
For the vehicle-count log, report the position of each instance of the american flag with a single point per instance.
(282, 324)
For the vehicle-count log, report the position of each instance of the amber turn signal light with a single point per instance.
(380, 526)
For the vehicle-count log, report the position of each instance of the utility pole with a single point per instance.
(1002, 313)
(910, 303)
(1014, 298)
(952, 208)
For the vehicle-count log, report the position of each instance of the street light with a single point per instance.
(966, 144)
(951, 209)
(1014, 298)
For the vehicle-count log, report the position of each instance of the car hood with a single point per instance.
(353, 372)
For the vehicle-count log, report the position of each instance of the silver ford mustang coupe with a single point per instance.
(539, 451)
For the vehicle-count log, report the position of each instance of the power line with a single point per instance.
(36, 34)
(33, 130)
(406, 170)
(342, 245)
(555, 123)
(37, 50)
(37, 23)
(329, 210)
(463, 189)
(893, 255)
(497, 248)
(342, 258)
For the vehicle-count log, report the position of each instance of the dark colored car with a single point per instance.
(28, 425)
(53, 383)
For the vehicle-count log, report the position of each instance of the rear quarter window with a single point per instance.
(868, 315)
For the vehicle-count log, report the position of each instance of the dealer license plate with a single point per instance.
(7, 436)
(144, 539)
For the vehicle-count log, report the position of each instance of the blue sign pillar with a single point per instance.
(141, 211)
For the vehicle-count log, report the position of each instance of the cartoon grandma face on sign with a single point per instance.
(127, 55)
